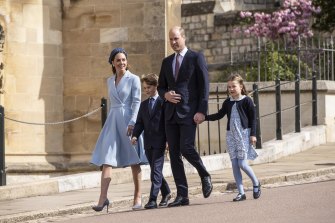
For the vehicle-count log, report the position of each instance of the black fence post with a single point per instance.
(258, 128)
(198, 137)
(209, 141)
(314, 101)
(297, 104)
(218, 107)
(103, 111)
(279, 134)
(2, 147)
(259, 59)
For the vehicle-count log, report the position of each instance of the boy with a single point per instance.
(150, 119)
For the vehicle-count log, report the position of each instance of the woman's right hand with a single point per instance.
(134, 140)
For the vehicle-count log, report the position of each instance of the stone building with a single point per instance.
(55, 68)
(209, 25)
(55, 65)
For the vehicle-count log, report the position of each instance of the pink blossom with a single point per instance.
(248, 14)
(245, 14)
(310, 33)
(291, 20)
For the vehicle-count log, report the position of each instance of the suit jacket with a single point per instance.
(192, 84)
(152, 124)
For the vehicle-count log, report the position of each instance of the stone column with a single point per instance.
(172, 18)
(33, 87)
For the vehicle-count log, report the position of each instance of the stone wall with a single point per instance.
(55, 57)
(91, 29)
(209, 28)
(55, 67)
(33, 80)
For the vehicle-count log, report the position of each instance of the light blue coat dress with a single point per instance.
(113, 146)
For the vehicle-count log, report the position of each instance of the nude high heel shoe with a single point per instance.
(137, 206)
(100, 208)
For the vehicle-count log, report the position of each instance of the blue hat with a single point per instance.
(116, 51)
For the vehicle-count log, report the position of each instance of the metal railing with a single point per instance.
(278, 113)
(2, 148)
(265, 60)
(103, 108)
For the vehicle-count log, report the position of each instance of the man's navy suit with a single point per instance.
(193, 86)
(152, 123)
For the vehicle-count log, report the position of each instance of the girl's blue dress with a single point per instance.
(237, 138)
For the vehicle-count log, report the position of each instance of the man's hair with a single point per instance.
(150, 79)
(182, 32)
(180, 29)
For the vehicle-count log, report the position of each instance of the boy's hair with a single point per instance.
(150, 79)
(239, 79)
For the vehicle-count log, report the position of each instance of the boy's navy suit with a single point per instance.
(152, 123)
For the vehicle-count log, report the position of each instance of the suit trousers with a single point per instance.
(156, 160)
(180, 135)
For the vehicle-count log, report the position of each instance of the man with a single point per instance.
(183, 84)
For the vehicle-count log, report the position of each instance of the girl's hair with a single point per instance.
(150, 79)
(239, 79)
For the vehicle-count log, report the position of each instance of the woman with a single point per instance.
(114, 148)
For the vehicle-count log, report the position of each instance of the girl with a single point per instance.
(241, 133)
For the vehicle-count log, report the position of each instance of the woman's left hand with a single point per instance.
(130, 130)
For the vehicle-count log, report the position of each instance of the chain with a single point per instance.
(56, 123)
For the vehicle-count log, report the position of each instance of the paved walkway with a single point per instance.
(310, 163)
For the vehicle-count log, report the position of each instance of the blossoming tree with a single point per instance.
(325, 21)
(292, 20)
